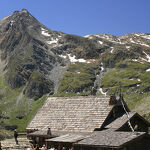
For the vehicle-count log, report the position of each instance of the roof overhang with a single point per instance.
(133, 116)
(67, 138)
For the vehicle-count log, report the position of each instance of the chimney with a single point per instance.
(112, 100)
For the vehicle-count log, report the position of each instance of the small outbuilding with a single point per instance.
(108, 140)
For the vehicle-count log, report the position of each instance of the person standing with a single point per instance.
(31, 147)
(37, 147)
(0, 146)
(16, 136)
(43, 147)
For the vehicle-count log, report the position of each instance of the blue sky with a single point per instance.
(83, 17)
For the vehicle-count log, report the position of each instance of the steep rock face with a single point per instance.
(23, 50)
(38, 85)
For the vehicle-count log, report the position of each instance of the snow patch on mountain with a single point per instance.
(143, 44)
(100, 42)
(11, 22)
(146, 37)
(134, 60)
(73, 58)
(63, 56)
(134, 79)
(148, 70)
(137, 34)
(88, 36)
(44, 32)
(109, 38)
(147, 56)
(131, 40)
(128, 47)
(104, 36)
(102, 68)
(138, 42)
(112, 49)
(53, 41)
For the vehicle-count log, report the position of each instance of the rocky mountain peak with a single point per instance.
(19, 20)
(22, 11)
(25, 10)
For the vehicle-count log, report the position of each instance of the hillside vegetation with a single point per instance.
(78, 80)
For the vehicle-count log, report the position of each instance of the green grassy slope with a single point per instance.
(78, 80)
(135, 84)
(16, 110)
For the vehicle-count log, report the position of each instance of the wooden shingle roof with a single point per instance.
(120, 121)
(110, 139)
(76, 114)
(41, 133)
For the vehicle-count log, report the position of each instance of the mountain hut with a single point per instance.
(88, 123)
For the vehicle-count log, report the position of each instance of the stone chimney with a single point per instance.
(112, 100)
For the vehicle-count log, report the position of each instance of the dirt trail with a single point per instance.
(9, 144)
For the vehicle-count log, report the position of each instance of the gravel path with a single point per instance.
(9, 144)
